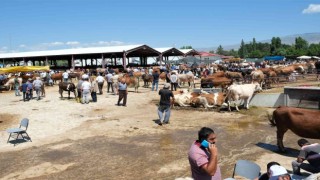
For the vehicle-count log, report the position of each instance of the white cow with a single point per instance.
(243, 92)
(189, 77)
(183, 99)
(10, 83)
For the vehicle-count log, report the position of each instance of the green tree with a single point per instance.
(242, 50)
(220, 50)
(254, 44)
(314, 50)
(186, 47)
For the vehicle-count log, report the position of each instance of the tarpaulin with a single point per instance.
(16, 69)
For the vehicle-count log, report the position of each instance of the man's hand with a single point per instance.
(213, 149)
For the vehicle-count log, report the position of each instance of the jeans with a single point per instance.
(85, 96)
(38, 91)
(17, 92)
(110, 85)
(122, 95)
(94, 96)
(100, 86)
(305, 166)
(155, 83)
(174, 86)
(164, 110)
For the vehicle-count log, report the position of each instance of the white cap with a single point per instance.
(275, 171)
(85, 76)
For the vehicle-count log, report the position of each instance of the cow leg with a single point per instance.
(235, 104)
(280, 135)
(68, 94)
(60, 91)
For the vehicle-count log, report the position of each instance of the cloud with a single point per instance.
(72, 43)
(22, 46)
(313, 8)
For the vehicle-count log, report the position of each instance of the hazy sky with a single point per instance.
(29, 25)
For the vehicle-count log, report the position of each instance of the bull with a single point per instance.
(303, 122)
(67, 86)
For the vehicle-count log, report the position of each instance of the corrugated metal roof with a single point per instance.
(92, 50)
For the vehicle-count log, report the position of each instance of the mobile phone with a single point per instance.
(205, 144)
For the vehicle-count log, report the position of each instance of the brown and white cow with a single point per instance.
(243, 92)
(214, 99)
(10, 83)
(303, 122)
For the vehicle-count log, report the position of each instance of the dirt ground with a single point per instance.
(103, 141)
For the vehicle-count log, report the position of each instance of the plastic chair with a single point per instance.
(20, 131)
(246, 169)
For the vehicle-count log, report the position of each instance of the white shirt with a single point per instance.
(100, 79)
(173, 78)
(65, 75)
(109, 76)
(86, 85)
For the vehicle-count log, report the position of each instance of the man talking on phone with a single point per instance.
(203, 156)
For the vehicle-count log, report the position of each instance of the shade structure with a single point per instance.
(274, 58)
(315, 57)
(23, 69)
(304, 57)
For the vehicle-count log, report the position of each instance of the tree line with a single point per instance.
(255, 49)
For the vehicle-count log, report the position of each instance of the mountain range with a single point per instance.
(290, 39)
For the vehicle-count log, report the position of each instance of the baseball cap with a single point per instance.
(276, 171)
(166, 85)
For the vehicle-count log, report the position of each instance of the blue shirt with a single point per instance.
(122, 86)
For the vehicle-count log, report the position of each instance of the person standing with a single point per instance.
(37, 84)
(24, 89)
(174, 81)
(100, 81)
(164, 105)
(123, 92)
(203, 156)
(65, 76)
(309, 152)
(16, 86)
(85, 88)
(30, 89)
(155, 81)
(94, 89)
(109, 81)
(79, 85)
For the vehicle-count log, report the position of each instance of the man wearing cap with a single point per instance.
(278, 173)
(164, 105)
(309, 152)
(37, 84)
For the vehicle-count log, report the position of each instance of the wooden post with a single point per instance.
(103, 62)
(124, 60)
(160, 59)
(72, 63)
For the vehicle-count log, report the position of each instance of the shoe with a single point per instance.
(124, 105)
(166, 122)
(117, 104)
(160, 124)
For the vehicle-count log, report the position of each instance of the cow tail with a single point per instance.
(271, 120)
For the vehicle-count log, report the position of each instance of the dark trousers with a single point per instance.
(79, 93)
(174, 86)
(110, 85)
(100, 85)
(25, 96)
(122, 95)
(94, 96)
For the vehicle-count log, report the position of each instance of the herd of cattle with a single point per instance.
(234, 87)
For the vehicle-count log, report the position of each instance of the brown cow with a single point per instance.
(146, 79)
(56, 76)
(211, 82)
(303, 122)
(234, 75)
(131, 81)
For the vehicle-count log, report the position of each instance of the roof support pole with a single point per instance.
(160, 59)
(103, 62)
(47, 63)
(24, 62)
(124, 60)
(72, 62)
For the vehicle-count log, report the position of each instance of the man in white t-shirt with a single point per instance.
(65, 76)
(86, 90)
(100, 81)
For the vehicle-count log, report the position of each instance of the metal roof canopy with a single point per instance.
(190, 52)
(82, 53)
